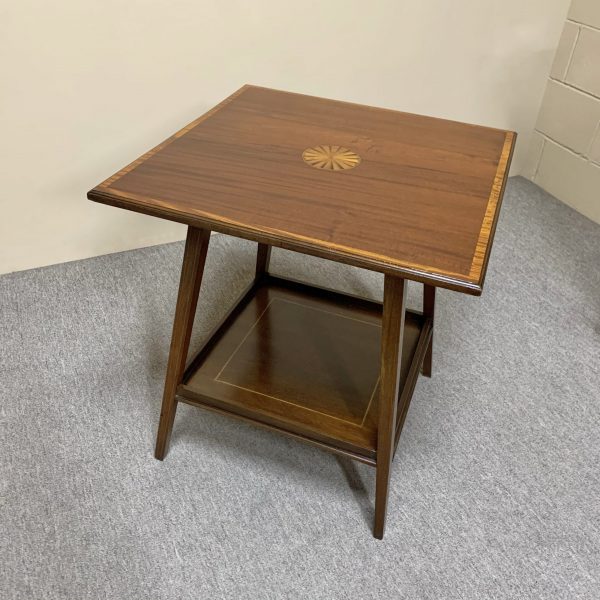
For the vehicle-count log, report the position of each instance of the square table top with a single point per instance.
(393, 192)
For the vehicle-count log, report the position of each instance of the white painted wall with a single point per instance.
(564, 153)
(87, 86)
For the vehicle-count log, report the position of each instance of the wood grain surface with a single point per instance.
(303, 360)
(392, 335)
(192, 269)
(423, 202)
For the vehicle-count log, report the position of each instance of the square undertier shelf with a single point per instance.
(304, 361)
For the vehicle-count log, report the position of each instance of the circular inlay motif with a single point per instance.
(331, 158)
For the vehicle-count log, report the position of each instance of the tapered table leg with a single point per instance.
(194, 257)
(428, 311)
(394, 298)
(263, 257)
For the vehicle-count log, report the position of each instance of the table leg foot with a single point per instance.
(167, 418)
(194, 257)
(381, 498)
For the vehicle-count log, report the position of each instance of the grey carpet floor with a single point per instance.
(495, 488)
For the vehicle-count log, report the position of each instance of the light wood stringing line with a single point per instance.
(239, 387)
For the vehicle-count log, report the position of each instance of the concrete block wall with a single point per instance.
(564, 155)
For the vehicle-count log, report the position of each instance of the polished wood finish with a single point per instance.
(428, 311)
(303, 361)
(423, 202)
(410, 196)
(221, 327)
(394, 310)
(194, 257)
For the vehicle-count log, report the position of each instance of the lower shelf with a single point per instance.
(303, 361)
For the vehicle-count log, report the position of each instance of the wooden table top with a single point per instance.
(389, 191)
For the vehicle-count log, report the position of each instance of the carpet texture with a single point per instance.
(496, 485)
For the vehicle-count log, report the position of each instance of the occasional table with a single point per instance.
(412, 197)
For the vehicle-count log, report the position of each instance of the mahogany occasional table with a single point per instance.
(410, 196)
